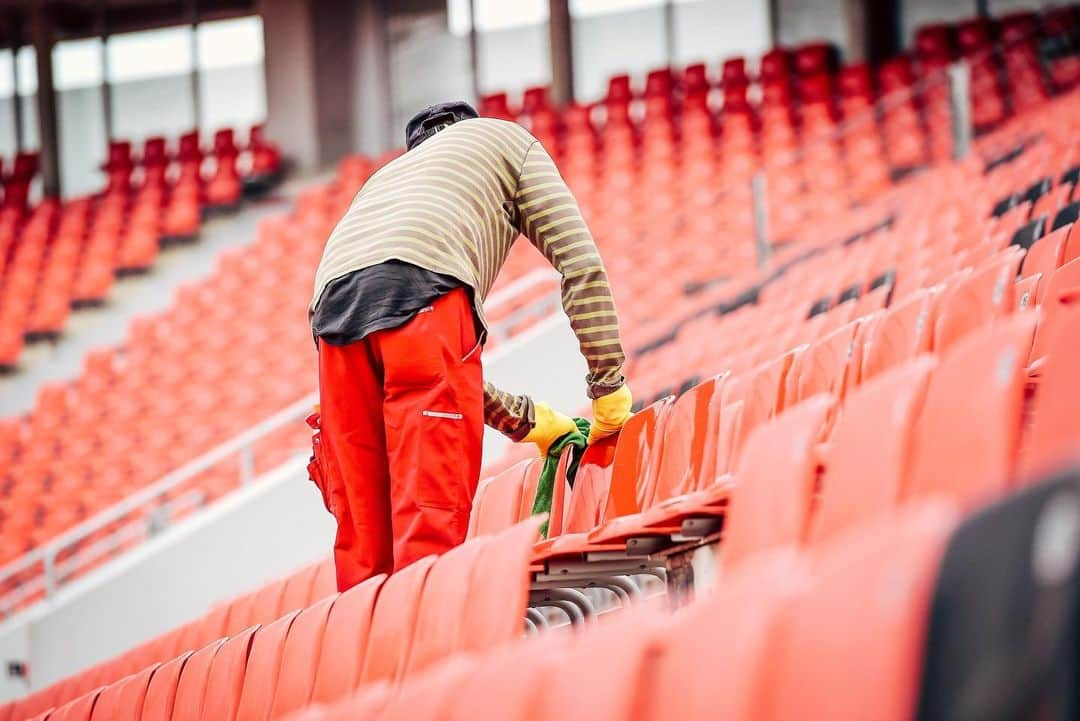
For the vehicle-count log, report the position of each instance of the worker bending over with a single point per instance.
(399, 323)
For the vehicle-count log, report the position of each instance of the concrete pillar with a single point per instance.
(373, 105)
(41, 32)
(562, 52)
(290, 86)
(327, 78)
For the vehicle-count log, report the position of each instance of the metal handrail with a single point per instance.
(242, 445)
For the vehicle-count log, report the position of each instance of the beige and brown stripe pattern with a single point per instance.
(455, 205)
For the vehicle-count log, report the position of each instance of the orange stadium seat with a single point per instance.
(161, 693)
(260, 677)
(393, 623)
(348, 629)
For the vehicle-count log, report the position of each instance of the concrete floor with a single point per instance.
(48, 361)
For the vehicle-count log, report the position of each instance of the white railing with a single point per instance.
(147, 512)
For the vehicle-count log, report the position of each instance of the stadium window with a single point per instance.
(26, 67)
(494, 15)
(231, 84)
(228, 43)
(149, 54)
(77, 64)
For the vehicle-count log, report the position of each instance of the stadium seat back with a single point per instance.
(266, 607)
(207, 629)
(1026, 291)
(689, 446)
(869, 450)
(637, 460)
(194, 678)
(263, 669)
(303, 645)
(978, 299)
(393, 623)
(429, 696)
(509, 683)
(348, 627)
(969, 429)
(712, 657)
(225, 683)
(325, 582)
(297, 594)
(239, 613)
(1060, 291)
(1046, 254)
(905, 331)
(616, 664)
(123, 700)
(498, 500)
(528, 490)
(590, 492)
(161, 693)
(443, 606)
(852, 638)
(775, 482)
(1054, 438)
(823, 368)
(499, 588)
(80, 709)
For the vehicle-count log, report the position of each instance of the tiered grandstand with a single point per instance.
(848, 292)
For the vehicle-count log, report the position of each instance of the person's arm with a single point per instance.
(511, 415)
(548, 215)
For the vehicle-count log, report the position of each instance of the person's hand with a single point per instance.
(549, 426)
(610, 412)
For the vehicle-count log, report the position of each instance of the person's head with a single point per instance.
(434, 118)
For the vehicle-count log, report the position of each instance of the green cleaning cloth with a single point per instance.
(545, 488)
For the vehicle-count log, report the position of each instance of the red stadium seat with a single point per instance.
(161, 694)
(969, 429)
(394, 622)
(225, 681)
(263, 669)
(873, 435)
(302, 647)
(345, 641)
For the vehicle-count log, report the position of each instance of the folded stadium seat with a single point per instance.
(1058, 291)
(260, 677)
(345, 641)
(496, 105)
(853, 636)
(81, 709)
(1052, 202)
(191, 689)
(1030, 232)
(154, 162)
(161, 692)
(393, 623)
(975, 301)
(123, 700)
(504, 684)
(438, 632)
(239, 613)
(969, 430)
(687, 461)
(618, 490)
(1020, 610)
(772, 498)
(1046, 254)
(825, 365)
(498, 500)
(206, 629)
(498, 588)
(265, 159)
(874, 433)
(1055, 430)
(297, 594)
(303, 645)
(430, 695)
(266, 605)
(225, 682)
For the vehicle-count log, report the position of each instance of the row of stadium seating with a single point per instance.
(636, 207)
(954, 381)
(56, 256)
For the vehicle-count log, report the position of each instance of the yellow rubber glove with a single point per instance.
(610, 412)
(549, 426)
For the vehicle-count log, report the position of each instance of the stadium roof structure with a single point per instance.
(84, 18)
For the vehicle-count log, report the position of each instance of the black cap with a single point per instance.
(434, 118)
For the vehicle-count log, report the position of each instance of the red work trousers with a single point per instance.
(401, 429)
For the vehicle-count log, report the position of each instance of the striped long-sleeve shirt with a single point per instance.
(455, 205)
